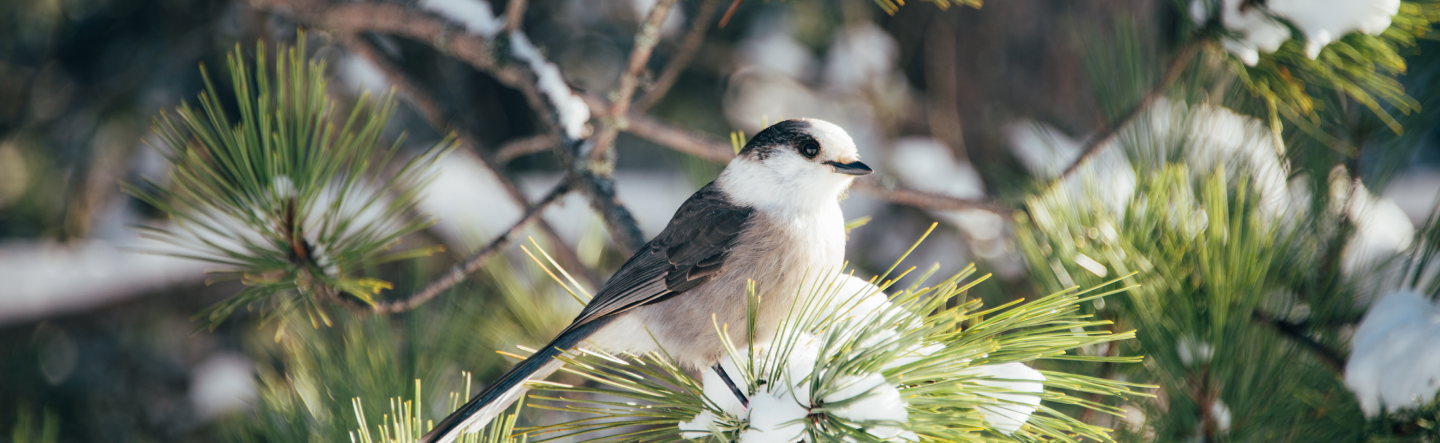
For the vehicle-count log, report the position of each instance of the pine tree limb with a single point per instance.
(683, 55)
(424, 101)
(526, 146)
(515, 14)
(645, 41)
(1296, 332)
(1093, 144)
(460, 271)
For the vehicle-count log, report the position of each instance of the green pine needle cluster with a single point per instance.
(893, 6)
(1359, 66)
(1211, 264)
(295, 199)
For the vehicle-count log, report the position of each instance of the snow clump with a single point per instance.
(1261, 29)
(1395, 363)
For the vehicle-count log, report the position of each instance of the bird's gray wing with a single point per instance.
(690, 251)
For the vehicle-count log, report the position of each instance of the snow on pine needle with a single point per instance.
(853, 363)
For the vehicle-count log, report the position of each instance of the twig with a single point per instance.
(515, 14)
(474, 50)
(424, 101)
(461, 270)
(526, 146)
(603, 200)
(1296, 332)
(729, 12)
(926, 200)
(942, 111)
(1093, 145)
(645, 41)
(683, 55)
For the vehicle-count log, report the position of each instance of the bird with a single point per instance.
(772, 216)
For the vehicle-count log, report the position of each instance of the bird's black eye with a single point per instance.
(810, 149)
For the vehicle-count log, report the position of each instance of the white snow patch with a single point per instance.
(861, 58)
(1009, 417)
(1194, 351)
(474, 14)
(1322, 22)
(1046, 151)
(359, 75)
(1221, 413)
(777, 413)
(928, 165)
(222, 383)
(1382, 230)
(702, 425)
(572, 110)
(1395, 357)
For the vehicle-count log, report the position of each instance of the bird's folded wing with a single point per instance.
(690, 251)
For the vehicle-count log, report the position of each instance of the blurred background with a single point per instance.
(980, 109)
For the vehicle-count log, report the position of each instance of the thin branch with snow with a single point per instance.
(645, 41)
(425, 102)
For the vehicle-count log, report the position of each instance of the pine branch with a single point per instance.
(460, 271)
(1092, 146)
(1296, 332)
(475, 50)
(526, 146)
(515, 14)
(425, 102)
(645, 42)
(683, 55)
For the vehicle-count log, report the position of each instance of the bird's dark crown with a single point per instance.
(787, 134)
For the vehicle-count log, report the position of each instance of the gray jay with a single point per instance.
(773, 216)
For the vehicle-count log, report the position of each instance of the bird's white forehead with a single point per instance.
(832, 138)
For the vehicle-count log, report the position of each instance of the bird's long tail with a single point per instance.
(499, 395)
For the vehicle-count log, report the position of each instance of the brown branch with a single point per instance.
(926, 200)
(355, 18)
(424, 101)
(460, 271)
(942, 110)
(1093, 145)
(1296, 332)
(526, 146)
(645, 41)
(683, 55)
(515, 14)
(728, 13)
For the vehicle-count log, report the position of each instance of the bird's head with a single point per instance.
(793, 164)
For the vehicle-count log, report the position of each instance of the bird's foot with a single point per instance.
(731, 383)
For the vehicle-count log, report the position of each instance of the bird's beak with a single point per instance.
(852, 168)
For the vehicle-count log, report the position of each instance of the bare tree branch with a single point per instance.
(475, 51)
(942, 110)
(683, 55)
(424, 101)
(462, 270)
(526, 146)
(515, 14)
(1093, 145)
(645, 41)
(1296, 332)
